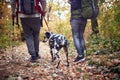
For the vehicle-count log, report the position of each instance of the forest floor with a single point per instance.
(14, 65)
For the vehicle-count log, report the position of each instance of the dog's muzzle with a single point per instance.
(45, 40)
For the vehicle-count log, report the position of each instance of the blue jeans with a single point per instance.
(78, 28)
(31, 29)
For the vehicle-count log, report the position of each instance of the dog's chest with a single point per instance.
(51, 42)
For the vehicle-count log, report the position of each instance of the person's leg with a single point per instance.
(78, 27)
(76, 36)
(28, 24)
(28, 34)
(81, 33)
(36, 32)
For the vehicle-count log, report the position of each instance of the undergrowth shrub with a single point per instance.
(98, 44)
(4, 41)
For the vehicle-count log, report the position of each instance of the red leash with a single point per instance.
(46, 24)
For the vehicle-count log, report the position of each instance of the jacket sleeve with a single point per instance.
(13, 6)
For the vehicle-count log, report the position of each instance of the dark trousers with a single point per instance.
(78, 28)
(94, 24)
(31, 29)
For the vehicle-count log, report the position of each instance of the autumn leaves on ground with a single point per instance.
(14, 65)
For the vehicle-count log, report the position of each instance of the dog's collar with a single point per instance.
(51, 36)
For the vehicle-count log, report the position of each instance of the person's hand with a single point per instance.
(43, 13)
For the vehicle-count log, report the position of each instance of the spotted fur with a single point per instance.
(56, 42)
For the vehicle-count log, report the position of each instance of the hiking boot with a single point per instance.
(79, 59)
(33, 59)
(37, 56)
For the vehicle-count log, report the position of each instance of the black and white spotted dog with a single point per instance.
(56, 42)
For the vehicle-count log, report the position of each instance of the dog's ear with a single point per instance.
(47, 34)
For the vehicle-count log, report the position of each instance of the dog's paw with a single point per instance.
(57, 66)
(53, 59)
(67, 64)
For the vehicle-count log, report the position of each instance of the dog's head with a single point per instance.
(47, 36)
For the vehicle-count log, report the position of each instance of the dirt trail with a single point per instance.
(14, 65)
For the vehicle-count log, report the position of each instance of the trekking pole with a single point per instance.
(17, 19)
(17, 23)
(13, 34)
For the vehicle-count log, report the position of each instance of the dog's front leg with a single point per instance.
(51, 52)
(66, 52)
(59, 60)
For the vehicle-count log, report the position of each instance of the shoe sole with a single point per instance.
(39, 57)
(80, 61)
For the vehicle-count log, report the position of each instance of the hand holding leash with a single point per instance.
(43, 14)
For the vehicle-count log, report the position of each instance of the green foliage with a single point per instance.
(4, 41)
(102, 1)
(6, 36)
(110, 21)
(115, 69)
(108, 39)
(91, 62)
(117, 15)
(96, 63)
(117, 55)
(88, 52)
(6, 31)
(86, 76)
(102, 45)
(79, 69)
